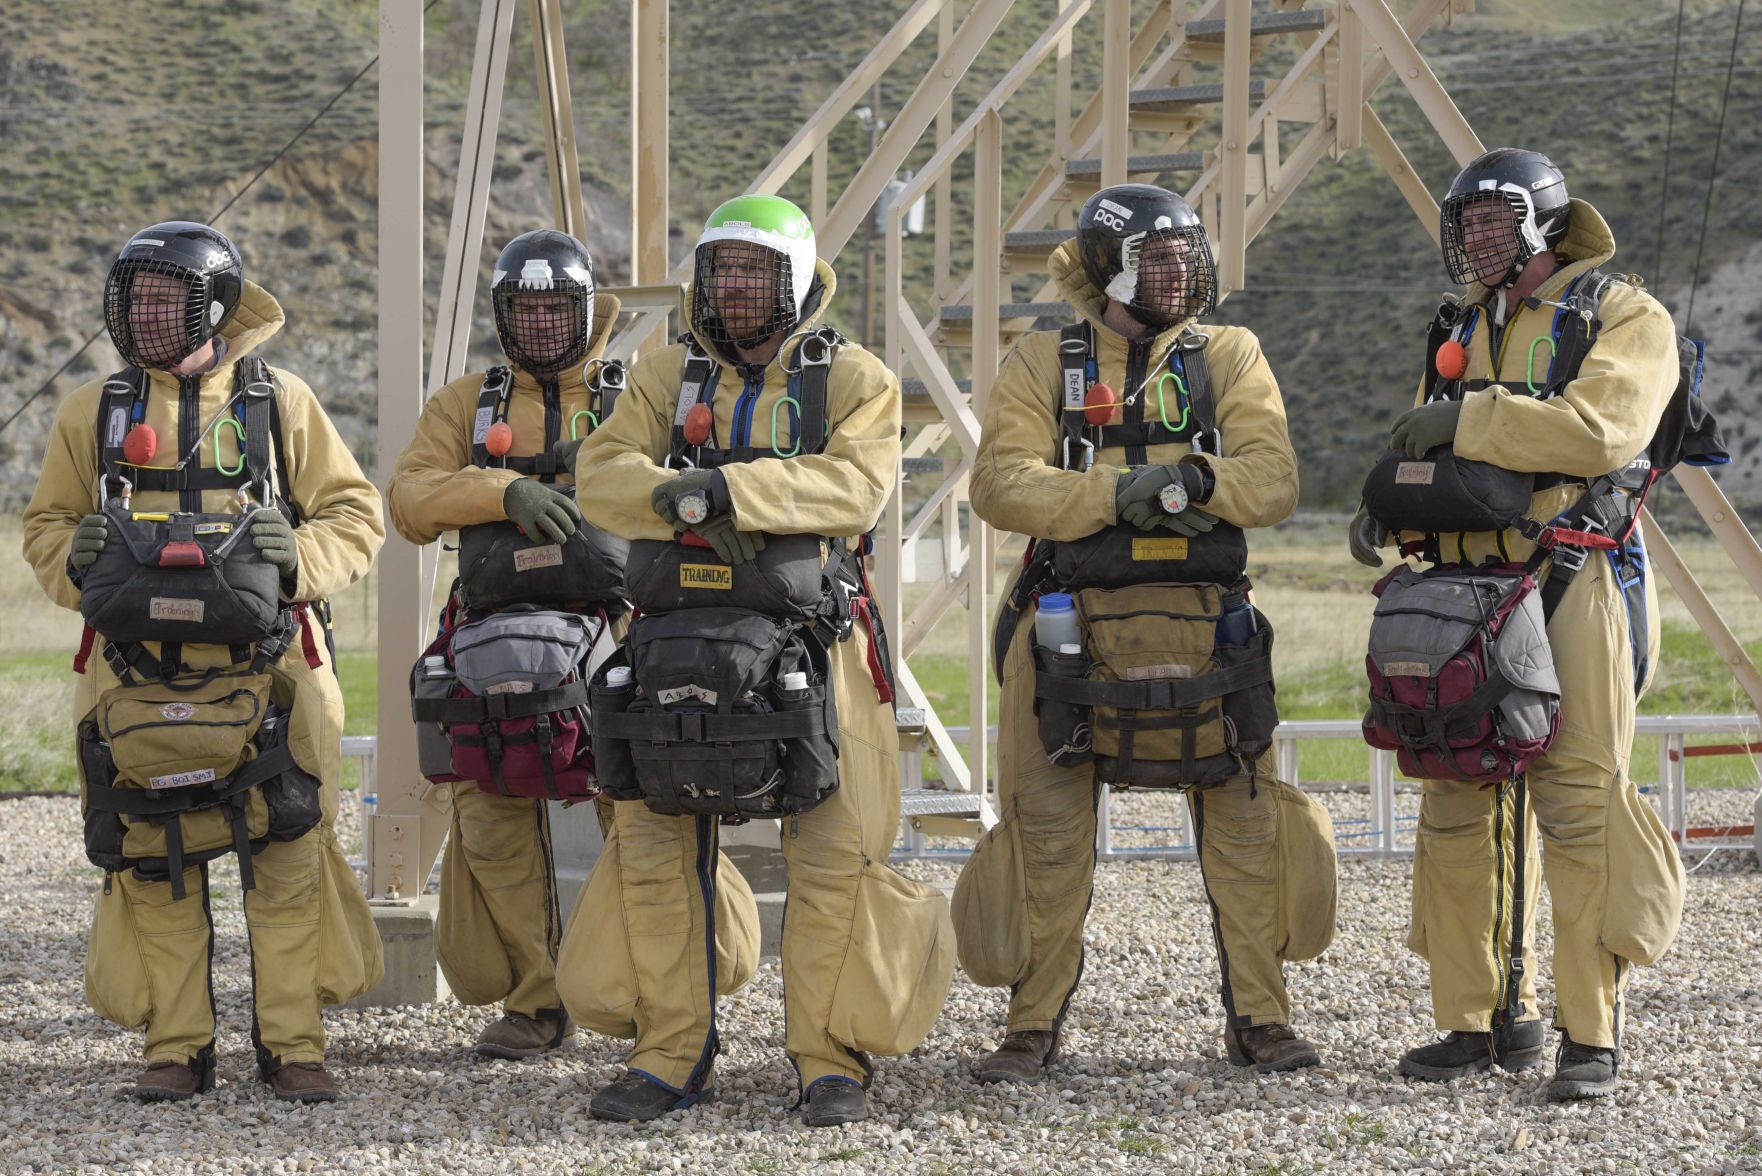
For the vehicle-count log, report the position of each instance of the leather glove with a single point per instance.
(273, 537)
(1138, 499)
(88, 540)
(564, 452)
(540, 511)
(731, 543)
(1420, 430)
(1364, 535)
(708, 483)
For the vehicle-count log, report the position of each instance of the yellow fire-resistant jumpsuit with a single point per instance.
(1267, 853)
(1614, 874)
(867, 953)
(311, 936)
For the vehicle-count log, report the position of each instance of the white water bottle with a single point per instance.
(618, 676)
(795, 680)
(1055, 622)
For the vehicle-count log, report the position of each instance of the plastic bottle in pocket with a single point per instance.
(1236, 626)
(1055, 622)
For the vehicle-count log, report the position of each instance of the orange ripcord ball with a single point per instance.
(697, 424)
(499, 439)
(140, 445)
(1451, 360)
(1099, 404)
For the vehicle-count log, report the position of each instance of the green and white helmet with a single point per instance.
(755, 266)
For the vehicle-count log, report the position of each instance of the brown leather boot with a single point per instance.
(516, 1036)
(306, 1082)
(1270, 1048)
(174, 1081)
(1020, 1058)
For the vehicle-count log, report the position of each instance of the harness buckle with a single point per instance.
(128, 490)
(1570, 559)
(1209, 441)
(1074, 347)
(1088, 453)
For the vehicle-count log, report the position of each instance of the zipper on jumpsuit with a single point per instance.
(752, 376)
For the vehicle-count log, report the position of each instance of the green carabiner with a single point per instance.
(1530, 375)
(793, 449)
(1181, 393)
(579, 413)
(238, 431)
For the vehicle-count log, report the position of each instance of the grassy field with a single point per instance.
(1316, 597)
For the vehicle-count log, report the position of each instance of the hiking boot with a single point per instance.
(1020, 1058)
(516, 1035)
(835, 1101)
(1270, 1048)
(174, 1081)
(635, 1099)
(1582, 1071)
(1461, 1052)
(303, 1082)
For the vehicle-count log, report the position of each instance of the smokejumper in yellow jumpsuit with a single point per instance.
(1521, 245)
(867, 953)
(180, 310)
(1138, 273)
(499, 924)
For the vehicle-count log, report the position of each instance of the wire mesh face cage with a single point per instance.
(1166, 276)
(743, 293)
(544, 331)
(156, 311)
(1483, 237)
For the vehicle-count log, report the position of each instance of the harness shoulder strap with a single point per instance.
(255, 390)
(609, 377)
(698, 383)
(1575, 329)
(1206, 437)
(121, 405)
(492, 406)
(1076, 350)
(814, 356)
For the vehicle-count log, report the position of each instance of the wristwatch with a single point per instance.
(693, 508)
(1173, 497)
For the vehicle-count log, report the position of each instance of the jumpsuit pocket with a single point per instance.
(990, 910)
(1307, 875)
(351, 959)
(899, 965)
(1644, 908)
(116, 972)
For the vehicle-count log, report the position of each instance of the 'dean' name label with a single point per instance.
(1415, 473)
(173, 608)
(182, 779)
(706, 576)
(1151, 549)
(548, 556)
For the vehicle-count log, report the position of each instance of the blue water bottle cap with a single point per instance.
(1056, 602)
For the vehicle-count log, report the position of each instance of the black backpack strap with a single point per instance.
(255, 389)
(1076, 352)
(698, 384)
(492, 406)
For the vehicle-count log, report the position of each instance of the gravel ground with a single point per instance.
(1143, 1086)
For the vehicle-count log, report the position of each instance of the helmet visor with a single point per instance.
(743, 293)
(544, 331)
(1166, 275)
(154, 311)
(1483, 236)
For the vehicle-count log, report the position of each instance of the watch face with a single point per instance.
(1174, 498)
(694, 509)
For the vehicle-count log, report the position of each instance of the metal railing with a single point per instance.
(1385, 832)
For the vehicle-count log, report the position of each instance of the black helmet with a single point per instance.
(1502, 209)
(544, 261)
(1119, 232)
(170, 290)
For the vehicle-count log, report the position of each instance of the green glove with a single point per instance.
(1420, 430)
(88, 540)
(1363, 536)
(273, 537)
(732, 544)
(563, 453)
(540, 511)
(708, 483)
(1138, 499)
